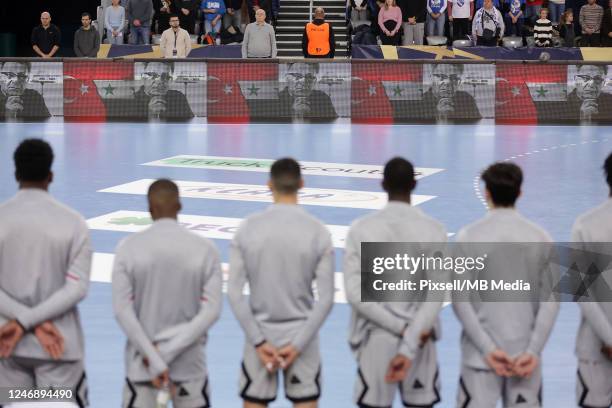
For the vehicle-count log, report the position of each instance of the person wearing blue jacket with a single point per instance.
(213, 11)
(436, 17)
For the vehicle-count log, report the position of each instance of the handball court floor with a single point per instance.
(563, 178)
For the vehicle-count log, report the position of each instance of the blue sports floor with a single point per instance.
(563, 178)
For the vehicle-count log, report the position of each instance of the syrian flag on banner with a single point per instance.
(82, 97)
(233, 90)
(377, 94)
(522, 90)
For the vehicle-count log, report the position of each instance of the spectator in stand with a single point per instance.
(46, 37)
(488, 26)
(213, 13)
(567, 28)
(413, 17)
(460, 14)
(254, 5)
(139, 14)
(259, 38)
(555, 9)
(114, 22)
(359, 10)
(175, 41)
(532, 11)
(187, 11)
(606, 26)
(318, 40)
(591, 15)
(478, 4)
(232, 16)
(514, 18)
(86, 38)
(390, 22)
(543, 30)
(436, 17)
(163, 10)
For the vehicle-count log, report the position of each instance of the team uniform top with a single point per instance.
(45, 261)
(596, 323)
(397, 222)
(514, 327)
(166, 294)
(279, 252)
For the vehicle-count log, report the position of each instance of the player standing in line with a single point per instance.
(45, 261)
(166, 296)
(502, 342)
(393, 341)
(280, 252)
(594, 341)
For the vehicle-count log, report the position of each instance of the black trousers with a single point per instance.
(590, 40)
(461, 28)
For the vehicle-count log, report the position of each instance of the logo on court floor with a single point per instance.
(206, 226)
(251, 192)
(263, 165)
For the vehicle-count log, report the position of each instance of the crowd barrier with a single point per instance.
(366, 91)
(424, 52)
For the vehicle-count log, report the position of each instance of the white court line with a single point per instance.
(263, 165)
(209, 227)
(250, 192)
(102, 267)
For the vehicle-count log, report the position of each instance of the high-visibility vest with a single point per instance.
(318, 39)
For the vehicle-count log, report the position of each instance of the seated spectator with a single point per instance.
(460, 14)
(139, 14)
(254, 5)
(555, 9)
(514, 18)
(488, 25)
(543, 31)
(114, 22)
(567, 28)
(86, 38)
(259, 38)
(532, 11)
(436, 17)
(590, 17)
(46, 37)
(187, 11)
(163, 10)
(359, 10)
(606, 26)
(414, 13)
(175, 41)
(232, 16)
(390, 22)
(213, 11)
(318, 40)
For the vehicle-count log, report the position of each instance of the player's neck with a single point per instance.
(285, 199)
(40, 185)
(401, 198)
(159, 216)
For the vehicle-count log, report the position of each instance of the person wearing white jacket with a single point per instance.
(175, 42)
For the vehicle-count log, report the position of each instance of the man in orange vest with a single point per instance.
(318, 39)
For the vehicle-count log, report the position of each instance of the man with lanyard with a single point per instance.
(175, 42)
(488, 25)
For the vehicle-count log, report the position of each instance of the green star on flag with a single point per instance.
(253, 90)
(109, 90)
(541, 92)
(397, 91)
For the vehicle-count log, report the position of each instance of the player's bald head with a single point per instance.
(164, 199)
